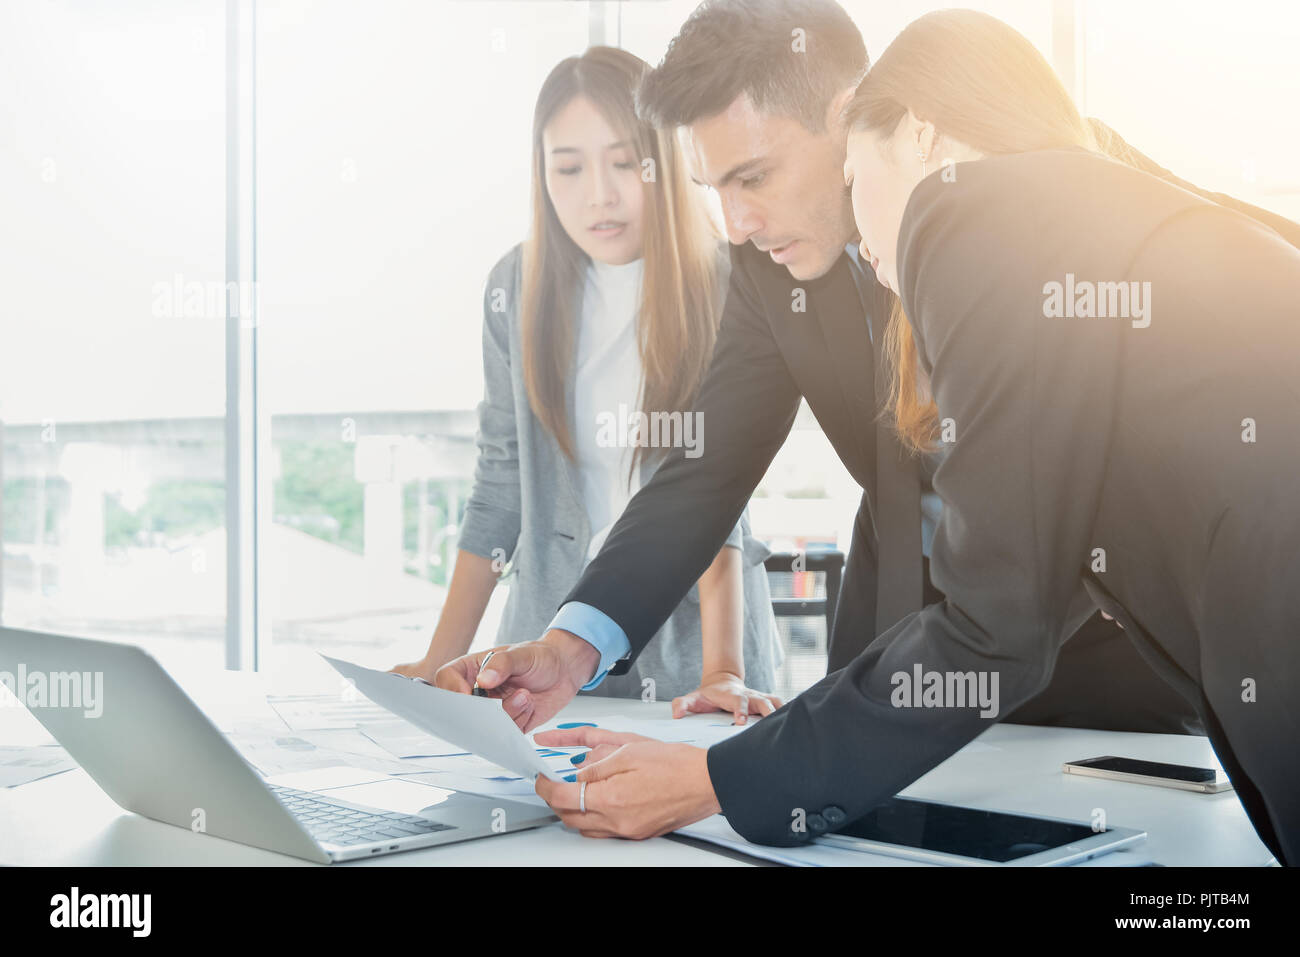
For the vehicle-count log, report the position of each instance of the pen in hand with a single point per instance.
(476, 690)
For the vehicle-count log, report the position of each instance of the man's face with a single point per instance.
(782, 187)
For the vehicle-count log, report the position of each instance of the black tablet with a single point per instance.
(954, 835)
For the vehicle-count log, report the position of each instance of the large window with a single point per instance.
(111, 329)
(1207, 91)
(393, 158)
(382, 148)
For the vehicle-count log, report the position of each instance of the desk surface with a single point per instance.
(67, 820)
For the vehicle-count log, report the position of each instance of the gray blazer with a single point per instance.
(526, 506)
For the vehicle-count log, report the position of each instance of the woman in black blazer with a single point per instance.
(1115, 365)
(1113, 362)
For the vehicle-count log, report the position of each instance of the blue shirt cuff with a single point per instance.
(931, 513)
(597, 629)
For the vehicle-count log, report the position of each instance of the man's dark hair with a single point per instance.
(729, 47)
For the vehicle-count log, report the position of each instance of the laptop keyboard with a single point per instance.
(333, 821)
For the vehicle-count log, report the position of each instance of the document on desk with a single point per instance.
(402, 740)
(22, 765)
(701, 730)
(479, 725)
(323, 712)
(282, 753)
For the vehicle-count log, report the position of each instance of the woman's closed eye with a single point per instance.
(575, 170)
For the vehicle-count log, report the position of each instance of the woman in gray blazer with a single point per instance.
(596, 333)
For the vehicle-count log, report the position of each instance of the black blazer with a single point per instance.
(1073, 435)
(778, 339)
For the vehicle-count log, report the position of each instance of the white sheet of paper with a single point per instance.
(283, 753)
(716, 830)
(479, 725)
(701, 730)
(22, 765)
(323, 712)
(400, 739)
(516, 790)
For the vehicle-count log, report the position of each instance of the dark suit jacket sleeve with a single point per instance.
(673, 528)
(1019, 485)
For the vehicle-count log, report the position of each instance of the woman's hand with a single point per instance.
(425, 668)
(636, 787)
(471, 587)
(723, 691)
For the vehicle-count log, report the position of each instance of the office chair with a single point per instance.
(805, 590)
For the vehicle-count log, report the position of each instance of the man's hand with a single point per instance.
(723, 691)
(534, 679)
(636, 787)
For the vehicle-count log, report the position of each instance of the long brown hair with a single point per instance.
(981, 83)
(678, 319)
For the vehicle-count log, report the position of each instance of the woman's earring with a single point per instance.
(920, 154)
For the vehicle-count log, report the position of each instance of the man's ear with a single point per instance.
(835, 112)
(689, 151)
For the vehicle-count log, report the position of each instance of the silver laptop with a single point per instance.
(151, 749)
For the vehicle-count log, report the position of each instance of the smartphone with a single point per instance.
(1181, 776)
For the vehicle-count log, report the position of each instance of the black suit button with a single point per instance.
(816, 824)
(834, 816)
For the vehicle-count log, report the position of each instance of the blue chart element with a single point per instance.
(575, 724)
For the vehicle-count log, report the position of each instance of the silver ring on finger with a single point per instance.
(582, 798)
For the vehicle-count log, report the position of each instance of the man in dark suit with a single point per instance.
(759, 88)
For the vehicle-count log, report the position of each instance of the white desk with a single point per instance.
(67, 820)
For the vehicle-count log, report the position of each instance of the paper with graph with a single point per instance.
(479, 725)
